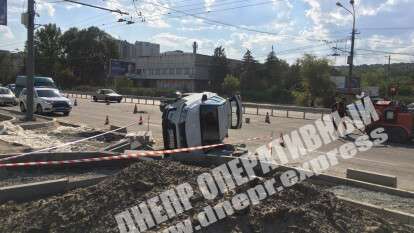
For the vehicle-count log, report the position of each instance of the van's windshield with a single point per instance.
(44, 83)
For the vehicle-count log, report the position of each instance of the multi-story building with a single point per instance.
(128, 51)
(173, 69)
(178, 70)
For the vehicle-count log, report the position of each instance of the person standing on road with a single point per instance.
(340, 107)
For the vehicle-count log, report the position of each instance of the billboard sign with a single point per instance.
(371, 91)
(355, 82)
(342, 85)
(339, 81)
(121, 68)
(3, 12)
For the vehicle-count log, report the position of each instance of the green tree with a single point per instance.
(88, 52)
(231, 85)
(249, 72)
(47, 50)
(316, 80)
(293, 78)
(219, 68)
(7, 70)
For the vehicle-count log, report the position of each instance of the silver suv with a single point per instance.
(47, 100)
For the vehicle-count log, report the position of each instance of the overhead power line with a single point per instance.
(386, 52)
(387, 28)
(213, 10)
(225, 23)
(98, 7)
(222, 2)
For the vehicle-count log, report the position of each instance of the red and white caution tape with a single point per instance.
(127, 155)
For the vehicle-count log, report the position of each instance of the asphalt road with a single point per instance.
(397, 160)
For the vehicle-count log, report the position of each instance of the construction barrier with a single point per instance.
(128, 154)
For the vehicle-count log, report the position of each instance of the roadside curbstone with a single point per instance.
(372, 177)
(32, 191)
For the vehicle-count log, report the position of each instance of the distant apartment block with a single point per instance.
(129, 51)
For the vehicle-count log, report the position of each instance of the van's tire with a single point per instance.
(66, 113)
(95, 99)
(22, 107)
(39, 109)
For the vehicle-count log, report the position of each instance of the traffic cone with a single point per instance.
(135, 109)
(107, 120)
(281, 141)
(140, 120)
(75, 103)
(267, 119)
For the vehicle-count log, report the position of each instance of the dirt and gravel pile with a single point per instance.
(301, 208)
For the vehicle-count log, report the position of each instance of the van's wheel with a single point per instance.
(39, 109)
(95, 99)
(397, 135)
(22, 108)
(66, 113)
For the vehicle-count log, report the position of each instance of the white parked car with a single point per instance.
(46, 100)
(7, 96)
(411, 107)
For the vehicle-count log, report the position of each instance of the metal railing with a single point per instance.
(248, 108)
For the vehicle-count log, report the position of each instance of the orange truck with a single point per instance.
(397, 121)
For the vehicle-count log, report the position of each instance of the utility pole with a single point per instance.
(30, 61)
(389, 68)
(350, 59)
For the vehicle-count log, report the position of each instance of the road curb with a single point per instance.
(372, 177)
(83, 183)
(37, 190)
(401, 217)
(34, 125)
(32, 191)
(324, 178)
(361, 184)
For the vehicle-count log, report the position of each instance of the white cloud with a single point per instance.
(42, 5)
(154, 13)
(6, 33)
(169, 41)
(71, 6)
(374, 9)
(208, 4)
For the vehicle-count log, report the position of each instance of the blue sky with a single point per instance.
(293, 27)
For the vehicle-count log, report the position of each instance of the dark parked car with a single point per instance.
(107, 95)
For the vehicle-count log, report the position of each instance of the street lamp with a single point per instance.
(351, 57)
